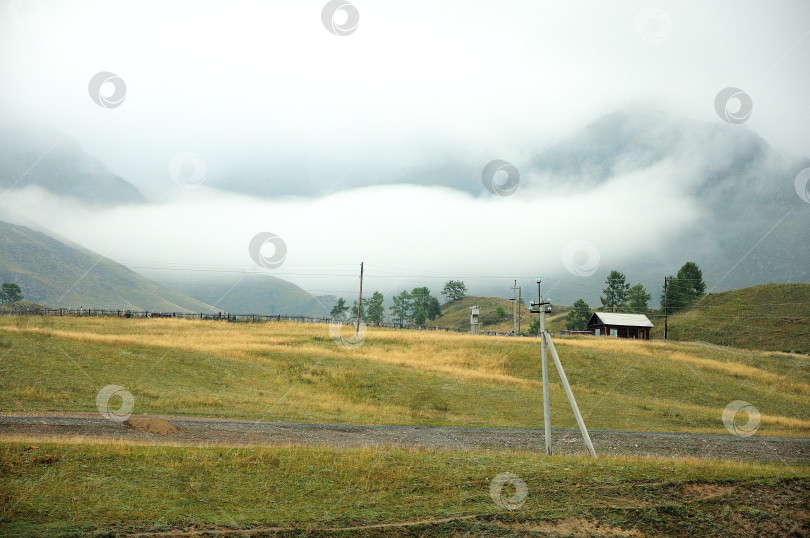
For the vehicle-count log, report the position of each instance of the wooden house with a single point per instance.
(620, 325)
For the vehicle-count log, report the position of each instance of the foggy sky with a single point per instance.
(370, 146)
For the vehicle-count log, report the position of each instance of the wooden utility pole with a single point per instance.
(359, 303)
(543, 307)
(520, 303)
(665, 308)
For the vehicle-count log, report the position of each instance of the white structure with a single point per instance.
(475, 327)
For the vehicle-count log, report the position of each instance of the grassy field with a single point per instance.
(296, 372)
(79, 487)
(772, 316)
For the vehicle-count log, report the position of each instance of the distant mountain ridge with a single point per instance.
(55, 274)
(58, 164)
(752, 231)
(751, 225)
(255, 294)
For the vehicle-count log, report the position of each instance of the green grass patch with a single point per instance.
(80, 488)
(768, 317)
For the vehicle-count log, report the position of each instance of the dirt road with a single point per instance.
(196, 431)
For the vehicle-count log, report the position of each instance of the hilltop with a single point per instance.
(770, 317)
(456, 314)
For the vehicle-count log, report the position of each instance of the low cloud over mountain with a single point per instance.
(643, 189)
(56, 163)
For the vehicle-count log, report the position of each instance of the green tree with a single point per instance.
(422, 301)
(11, 293)
(375, 311)
(638, 299)
(418, 306)
(339, 309)
(534, 326)
(401, 308)
(419, 301)
(454, 290)
(691, 278)
(615, 291)
(577, 319)
(434, 308)
(684, 288)
(500, 312)
(353, 310)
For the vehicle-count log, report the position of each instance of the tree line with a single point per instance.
(417, 306)
(681, 292)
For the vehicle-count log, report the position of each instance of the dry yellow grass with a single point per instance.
(293, 371)
(436, 352)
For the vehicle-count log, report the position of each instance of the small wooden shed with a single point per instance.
(620, 325)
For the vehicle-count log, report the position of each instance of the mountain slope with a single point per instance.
(750, 229)
(58, 164)
(772, 316)
(55, 274)
(254, 294)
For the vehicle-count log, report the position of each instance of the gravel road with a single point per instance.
(205, 431)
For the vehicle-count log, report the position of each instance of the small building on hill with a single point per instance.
(620, 325)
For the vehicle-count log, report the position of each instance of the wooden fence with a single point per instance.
(219, 316)
(98, 312)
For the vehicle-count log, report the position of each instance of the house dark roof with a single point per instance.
(623, 320)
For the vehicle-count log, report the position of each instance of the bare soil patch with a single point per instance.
(158, 426)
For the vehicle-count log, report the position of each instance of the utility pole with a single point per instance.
(520, 303)
(514, 309)
(359, 303)
(665, 308)
(543, 307)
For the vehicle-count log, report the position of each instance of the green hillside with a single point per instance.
(21, 305)
(53, 273)
(255, 294)
(771, 317)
